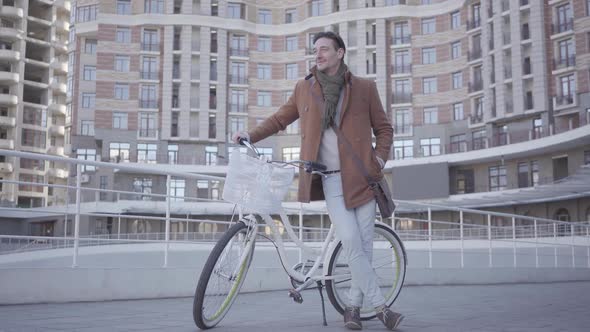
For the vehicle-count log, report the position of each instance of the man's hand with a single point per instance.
(239, 135)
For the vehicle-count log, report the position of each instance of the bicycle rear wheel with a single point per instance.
(389, 263)
(223, 276)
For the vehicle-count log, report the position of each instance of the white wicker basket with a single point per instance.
(256, 184)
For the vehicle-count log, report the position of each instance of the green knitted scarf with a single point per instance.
(331, 86)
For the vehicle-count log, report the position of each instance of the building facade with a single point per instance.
(33, 114)
(476, 87)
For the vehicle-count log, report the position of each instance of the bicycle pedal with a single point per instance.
(296, 296)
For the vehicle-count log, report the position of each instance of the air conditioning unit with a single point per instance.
(85, 178)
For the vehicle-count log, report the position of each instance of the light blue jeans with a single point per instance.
(354, 228)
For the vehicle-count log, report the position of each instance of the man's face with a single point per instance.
(326, 56)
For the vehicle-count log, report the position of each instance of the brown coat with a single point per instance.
(361, 112)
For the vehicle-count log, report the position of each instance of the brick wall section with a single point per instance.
(107, 32)
(103, 119)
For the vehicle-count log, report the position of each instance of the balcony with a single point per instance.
(57, 108)
(560, 27)
(401, 69)
(57, 130)
(238, 108)
(63, 4)
(58, 173)
(475, 86)
(149, 75)
(9, 77)
(150, 47)
(147, 133)
(569, 61)
(11, 12)
(7, 121)
(8, 99)
(476, 118)
(61, 67)
(238, 79)
(10, 34)
(525, 33)
(148, 103)
(243, 52)
(474, 54)
(9, 55)
(6, 168)
(61, 26)
(401, 40)
(564, 100)
(56, 150)
(402, 97)
(7, 144)
(58, 86)
(473, 24)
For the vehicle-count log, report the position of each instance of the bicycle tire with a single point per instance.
(206, 294)
(391, 277)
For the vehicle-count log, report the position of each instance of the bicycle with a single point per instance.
(259, 185)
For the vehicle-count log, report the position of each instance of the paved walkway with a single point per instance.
(512, 307)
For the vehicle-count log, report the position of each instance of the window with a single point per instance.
(537, 128)
(174, 123)
(154, 6)
(293, 128)
(403, 122)
(587, 159)
(147, 96)
(402, 62)
(497, 178)
(147, 153)
(88, 100)
(523, 175)
(455, 50)
(465, 181)
(291, 43)
(403, 149)
(567, 88)
(264, 16)
(121, 91)
(123, 35)
(458, 143)
(290, 15)
(86, 154)
(455, 20)
(35, 116)
(194, 125)
(122, 63)
(266, 152)
(316, 7)
(534, 172)
(291, 71)
(429, 85)
(430, 146)
(428, 26)
(87, 13)
(458, 114)
(428, 55)
(430, 115)
(124, 7)
(237, 100)
(212, 125)
(235, 10)
(264, 44)
(173, 154)
(401, 33)
(147, 125)
(263, 71)
(119, 152)
(150, 40)
(144, 186)
(32, 164)
(457, 80)
(479, 140)
(210, 155)
(236, 124)
(264, 98)
(38, 179)
(103, 186)
(89, 73)
(119, 120)
(33, 138)
(176, 191)
(291, 153)
(149, 67)
(87, 128)
(90, 46)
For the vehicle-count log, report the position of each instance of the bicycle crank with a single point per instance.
(296, 296)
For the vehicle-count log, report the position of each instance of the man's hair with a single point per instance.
(336, 39)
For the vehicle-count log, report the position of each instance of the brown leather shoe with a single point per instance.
(390, 319)
(352, 318)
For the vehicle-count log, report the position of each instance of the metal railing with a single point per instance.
(469, 229)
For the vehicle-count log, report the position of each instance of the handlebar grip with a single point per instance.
(313, 166)
(241, 140)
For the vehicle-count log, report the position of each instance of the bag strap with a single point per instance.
(357, 160)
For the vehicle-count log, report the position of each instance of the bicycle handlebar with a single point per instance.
(308, 166)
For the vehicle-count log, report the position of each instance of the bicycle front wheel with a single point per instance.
(223, 276)
(389, 264)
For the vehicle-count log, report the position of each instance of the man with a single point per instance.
(332, 97)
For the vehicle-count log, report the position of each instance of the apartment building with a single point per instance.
(484, 95)
(33, 114)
